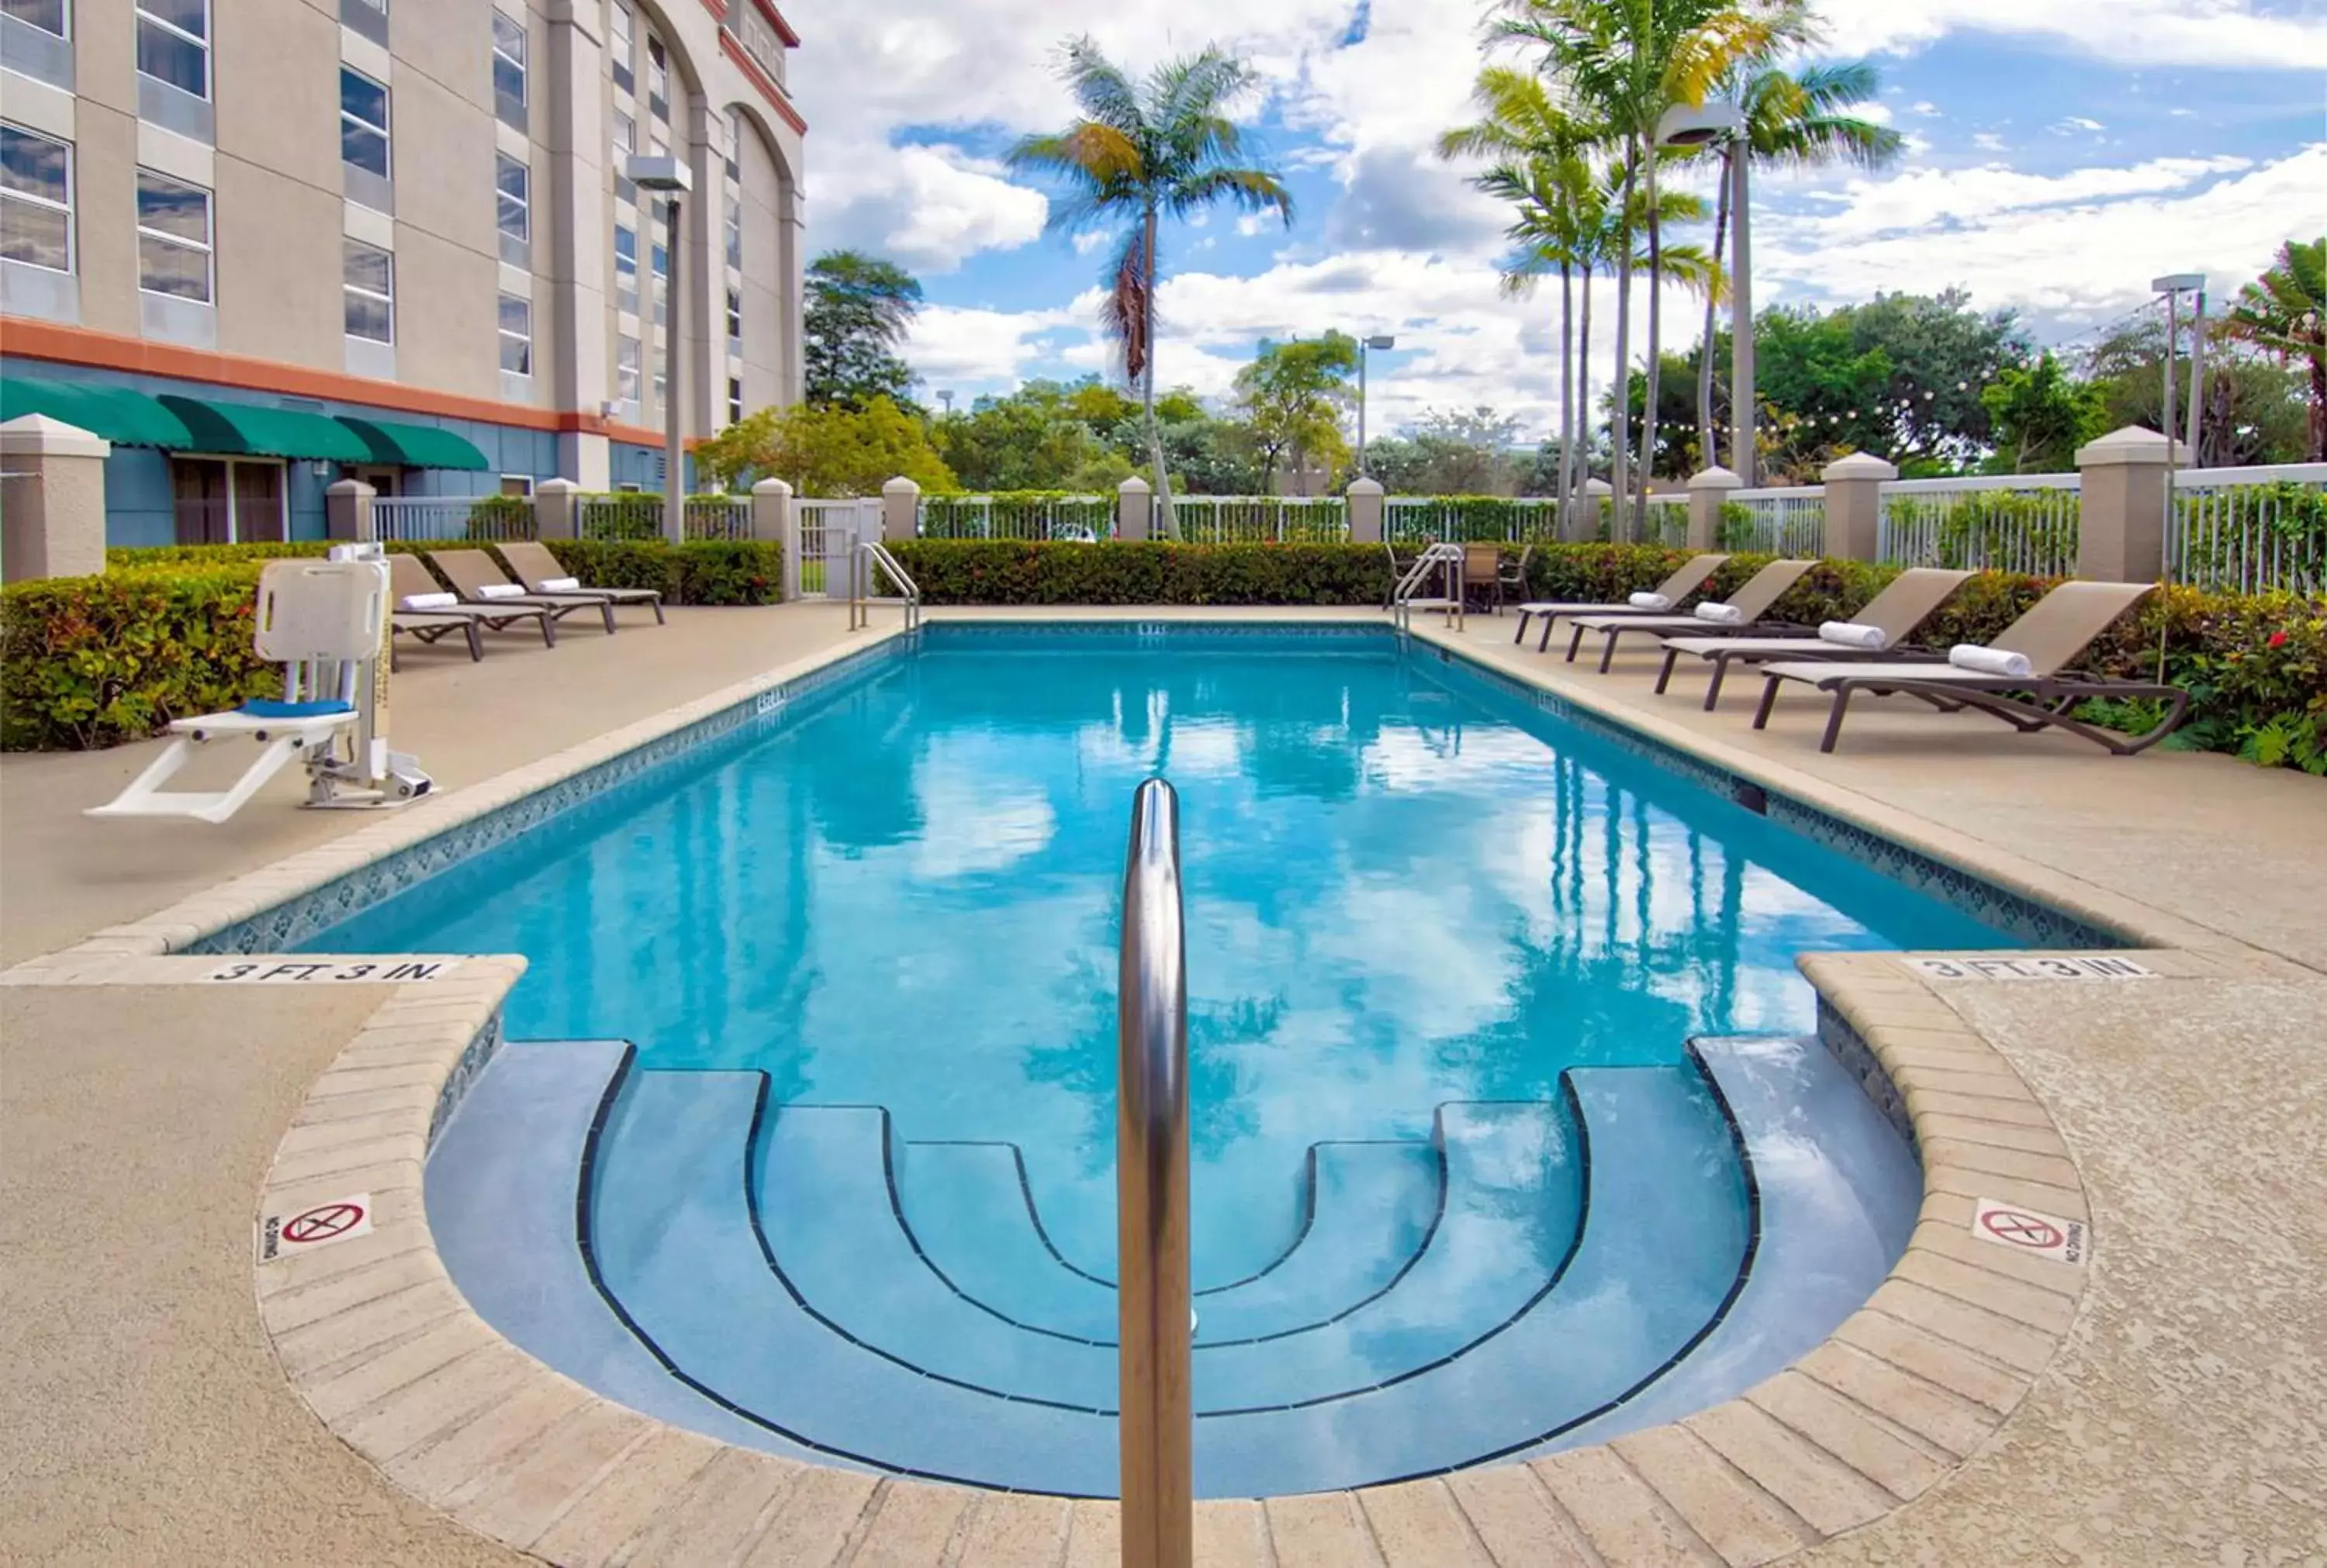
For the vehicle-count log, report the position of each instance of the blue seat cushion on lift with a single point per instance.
(275, 708)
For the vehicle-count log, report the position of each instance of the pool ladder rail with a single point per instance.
(1444, 561)
(870, 558)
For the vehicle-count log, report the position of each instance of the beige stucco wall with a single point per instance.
(279, 266)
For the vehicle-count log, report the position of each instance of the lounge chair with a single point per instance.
(2056, 629)
(1906, 601)
(478, 580)
(1750, 603)
(418, 594)
(429, 626)
(542, 572)
(1672, 590)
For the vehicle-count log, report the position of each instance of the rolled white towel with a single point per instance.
(1721, 614)
(1989, 660)
(1851, 634)
(560, 584)
(428, 602)
(1649, 602)
(501, 590)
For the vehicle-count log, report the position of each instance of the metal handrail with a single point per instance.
(1443, 558)
(1156, 1436)
(859, 576)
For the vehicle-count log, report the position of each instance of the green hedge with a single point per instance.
(1021, 572)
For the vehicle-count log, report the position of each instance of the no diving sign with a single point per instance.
(2025, 1230)
(341, 1219)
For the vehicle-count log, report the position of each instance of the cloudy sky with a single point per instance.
(2061, 152)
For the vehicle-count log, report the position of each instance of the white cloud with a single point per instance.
(975, 350)
(2183, 33)
(1928, 108)
(2070, 123)
(1987, 141)
(927, 207)
(1934, 199)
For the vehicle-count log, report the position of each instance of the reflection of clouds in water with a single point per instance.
(977, 836)
(1435, 759)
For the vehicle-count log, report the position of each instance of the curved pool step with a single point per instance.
(1368, 1208)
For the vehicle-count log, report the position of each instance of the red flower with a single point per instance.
(2277, 639)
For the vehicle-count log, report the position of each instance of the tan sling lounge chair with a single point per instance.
(428, 626)
(537, 568)
(1752, 601)
(407, 578)
(473, 571)
(2056, 629)
(1675, 588)
(1906, 601)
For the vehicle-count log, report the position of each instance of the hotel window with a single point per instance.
(35, 199)
(626, 269)
(363, 123)
(735, 205)
(626, 142)
(517, 335)
(512, 187)
(370, 290)
(734, 320)
(508, 70)
(658, 78)
(626, 369)
(173, 238)
(734, 398)
(661, 261)
(174, 44)
(52, 16)
(660, 387)
(620, 24)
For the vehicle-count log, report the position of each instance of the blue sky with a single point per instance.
(2061, 154)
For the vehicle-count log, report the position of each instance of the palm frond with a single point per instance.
(1123, 315)
(1101, 89)
(1252, 190)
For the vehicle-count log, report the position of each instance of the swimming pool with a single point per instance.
(836, 999)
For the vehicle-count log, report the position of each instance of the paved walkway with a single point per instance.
(2178, 1424)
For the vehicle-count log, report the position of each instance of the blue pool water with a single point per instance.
(1445, 956)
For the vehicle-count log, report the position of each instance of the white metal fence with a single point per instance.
(1454, 519)
(1789, 520)
(2246, 530)
(1084, 519)
(1261, 520)
(829, 530)
(1666, 521)
(719, 518)
(629, 515)
(447, 519)
(2023, 522)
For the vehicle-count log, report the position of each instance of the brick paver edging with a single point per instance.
(383, 1348)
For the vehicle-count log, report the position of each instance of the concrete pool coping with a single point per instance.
(384, 1350)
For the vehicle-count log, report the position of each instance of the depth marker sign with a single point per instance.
(341, 1219)
(2026, 1230)
(2099, 966)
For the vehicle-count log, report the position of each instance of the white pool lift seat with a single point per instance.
(321, 620)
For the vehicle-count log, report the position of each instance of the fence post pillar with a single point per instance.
(901, 508)
(557, 509)
(1708, 491)
(346, 510)
(1587, 512)
(53, 508)
(1135, 510)
(775, 522)
(1854, 505)
(2121, 531)
(1365, 508)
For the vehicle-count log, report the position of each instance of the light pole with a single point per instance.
(2172, 287)
(1703, 124)
(946, 398)
(1384, 341)
(670, 176)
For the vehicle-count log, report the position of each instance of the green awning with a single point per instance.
(414, 445)
(248, 427)
(114, 413)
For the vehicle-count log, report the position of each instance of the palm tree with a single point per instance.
(1794, 120)
(2284, 313)
(1631, 60)
(1139, 152)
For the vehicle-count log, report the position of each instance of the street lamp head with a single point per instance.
(1699, 124)
(1381, 340)
(658, 174)
(2178, 283)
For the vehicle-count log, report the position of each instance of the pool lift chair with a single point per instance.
(326, 622)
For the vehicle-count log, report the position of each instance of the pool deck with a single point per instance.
(2157, 1405)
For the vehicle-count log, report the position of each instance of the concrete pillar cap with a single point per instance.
(1859, 465)
(2131, 445)
(348, 487)
(1133, 486)
(1598, 487)
(42, 435)
(556, 487)
(901, 486)
(1365, 485)
(1714, 478)
(772, 487)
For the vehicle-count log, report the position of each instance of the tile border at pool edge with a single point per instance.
(382, 1347)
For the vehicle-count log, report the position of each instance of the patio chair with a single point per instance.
(1671, 591)
(1741, 611)
(1483, 572)
(541, 573)
(418, 594)
(1511, 575)
(2057, 629)
(1906, 601)
(478, 581)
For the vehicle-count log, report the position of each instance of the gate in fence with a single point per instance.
(829, 531)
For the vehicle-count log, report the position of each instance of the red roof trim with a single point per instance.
(768, 90)
(776, 20)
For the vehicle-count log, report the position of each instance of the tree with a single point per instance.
(1792, 120)
(1031, 439)
(859, 310)
(2284, 313)
(1292, 395)
(827, 450)
(2041, 414)
(1136, 155)
(2252, 409)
